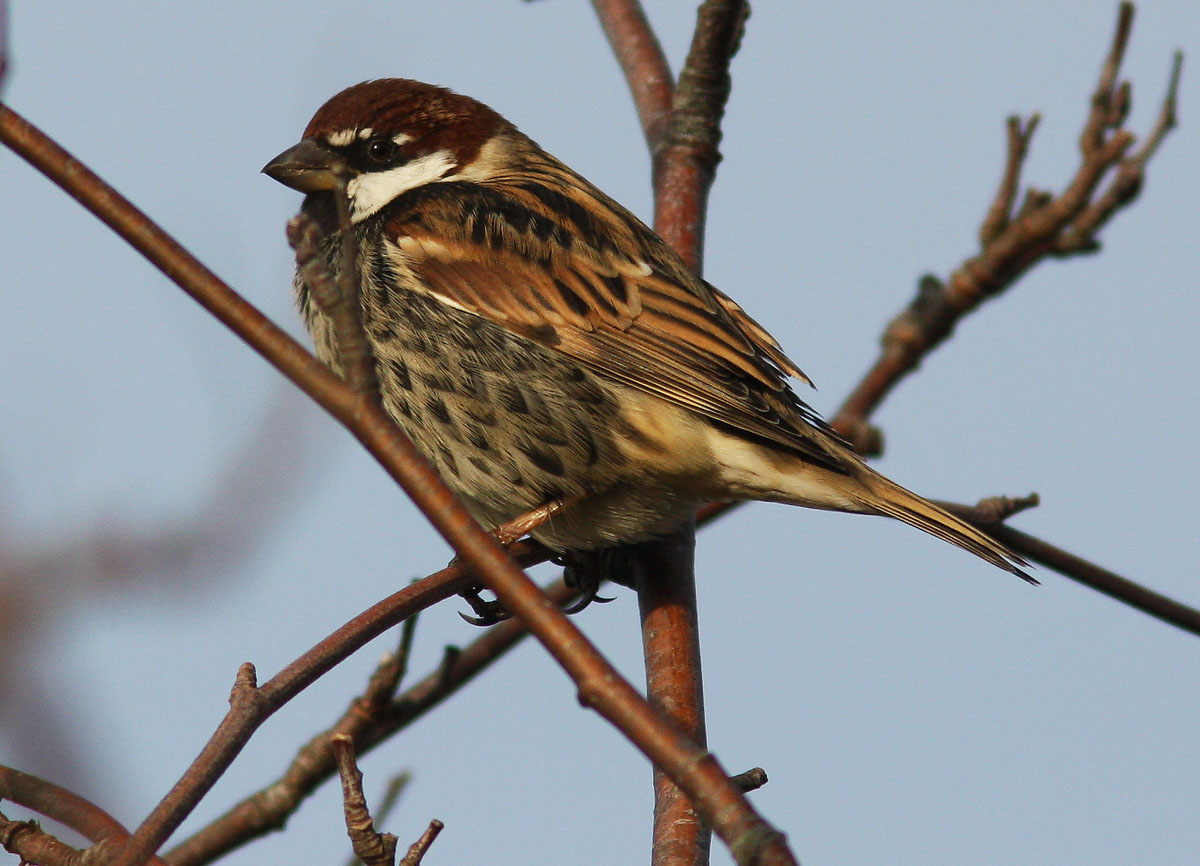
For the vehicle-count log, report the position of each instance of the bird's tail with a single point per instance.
(888, 498)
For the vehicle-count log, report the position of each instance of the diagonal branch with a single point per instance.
(369, 720)
(600, 686)
(1044, 226)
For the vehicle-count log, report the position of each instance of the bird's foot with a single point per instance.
(586, 571)
(487, 611)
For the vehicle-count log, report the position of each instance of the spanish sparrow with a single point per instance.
(538, 342)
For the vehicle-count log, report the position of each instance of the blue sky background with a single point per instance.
(911, 704)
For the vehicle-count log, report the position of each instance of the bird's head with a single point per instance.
(385, 137)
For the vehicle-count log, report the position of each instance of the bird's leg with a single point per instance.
(490, 612)
(523, 524)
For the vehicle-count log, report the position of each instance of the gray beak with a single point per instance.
(307, 167)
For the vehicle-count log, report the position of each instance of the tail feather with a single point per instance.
(892, 500)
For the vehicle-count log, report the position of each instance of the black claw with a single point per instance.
(586, 600)
(586, 571)
(486, 612)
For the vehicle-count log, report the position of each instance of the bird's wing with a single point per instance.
(643, 321)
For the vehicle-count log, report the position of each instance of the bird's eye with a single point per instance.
(381, 151)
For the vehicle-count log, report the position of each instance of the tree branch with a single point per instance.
(27, 840)
(600, 685)
(1045, 226)
(642, 60)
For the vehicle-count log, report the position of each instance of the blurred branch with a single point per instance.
(3, 45)
(181, 555)
(750, 780)
(27, 840)
(337, 298)
(1016, 239)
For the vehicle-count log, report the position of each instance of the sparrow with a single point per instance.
(539, 343)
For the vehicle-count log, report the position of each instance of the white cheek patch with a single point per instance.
(371, 191)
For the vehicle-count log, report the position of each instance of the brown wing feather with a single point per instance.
(502, 252)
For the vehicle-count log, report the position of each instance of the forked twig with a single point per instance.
(1043, 226)
(32, 844)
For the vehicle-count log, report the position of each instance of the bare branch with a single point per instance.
(684, 163)
(1046, 226)
(1047, 555)
(338, 299)
(29, 842)
(33, 845)
(999, 215)
(684, 166)
(416, 851)
(642, 60)
(1100, 579)
(368, 720)
(751, 780)
(370, 846)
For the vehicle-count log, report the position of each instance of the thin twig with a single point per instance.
(1045, 226)
(1129, 176)
(417, 850)
(53, 801)
(368, 723)
(1047, 555)
(34, 846)
(391, 796)
(370, 846)
(252, 706)
(1000, 214)
(1100, 579)
(751, 780)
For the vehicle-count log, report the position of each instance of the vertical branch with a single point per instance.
(687, 162)
(3, 43)
(671, 642)
(682, 129)
(643, 62)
